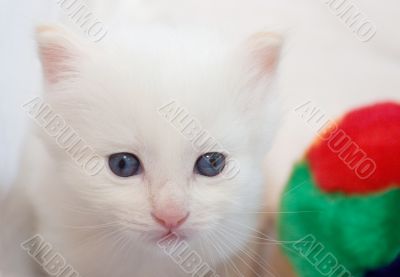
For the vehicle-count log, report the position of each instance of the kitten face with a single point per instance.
(127, 96)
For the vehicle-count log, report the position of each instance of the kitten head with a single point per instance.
(180, 122)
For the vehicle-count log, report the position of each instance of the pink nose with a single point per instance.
(170, 219)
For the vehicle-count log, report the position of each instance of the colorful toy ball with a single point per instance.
(341, 208)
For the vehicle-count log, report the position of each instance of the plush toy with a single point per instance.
(341, 208)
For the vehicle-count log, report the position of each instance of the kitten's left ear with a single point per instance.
(59, 51)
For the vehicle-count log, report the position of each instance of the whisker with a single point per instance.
(88, 227)
(93, 239)
(274, 212)
(265, 240)
(235, 269)
(251, 254)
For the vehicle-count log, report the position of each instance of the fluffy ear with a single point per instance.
(59, 52)
(263, 50)
(259, 57)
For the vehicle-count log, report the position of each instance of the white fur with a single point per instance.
(102, 224)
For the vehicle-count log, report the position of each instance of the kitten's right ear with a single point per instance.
(59, 52)
(264, 50)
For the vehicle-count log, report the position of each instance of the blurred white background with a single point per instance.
(323, 62)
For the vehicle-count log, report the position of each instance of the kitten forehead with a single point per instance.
(170, 63)
(123, 83)
(136, 78)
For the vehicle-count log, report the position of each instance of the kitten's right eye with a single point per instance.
(124, 164)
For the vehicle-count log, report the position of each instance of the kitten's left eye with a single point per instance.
(210, 164)
(124, 164)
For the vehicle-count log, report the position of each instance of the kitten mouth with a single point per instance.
(166, 235)
(171, 235)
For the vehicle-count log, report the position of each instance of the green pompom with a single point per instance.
(332, 234)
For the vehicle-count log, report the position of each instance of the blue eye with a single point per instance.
(124, 164)
(210, 164)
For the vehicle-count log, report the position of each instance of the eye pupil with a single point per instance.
(121, 164)
(124, 164)
(210, 164)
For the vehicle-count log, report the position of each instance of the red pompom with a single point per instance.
(361, 154)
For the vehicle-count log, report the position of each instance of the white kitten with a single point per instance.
(115, 97)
